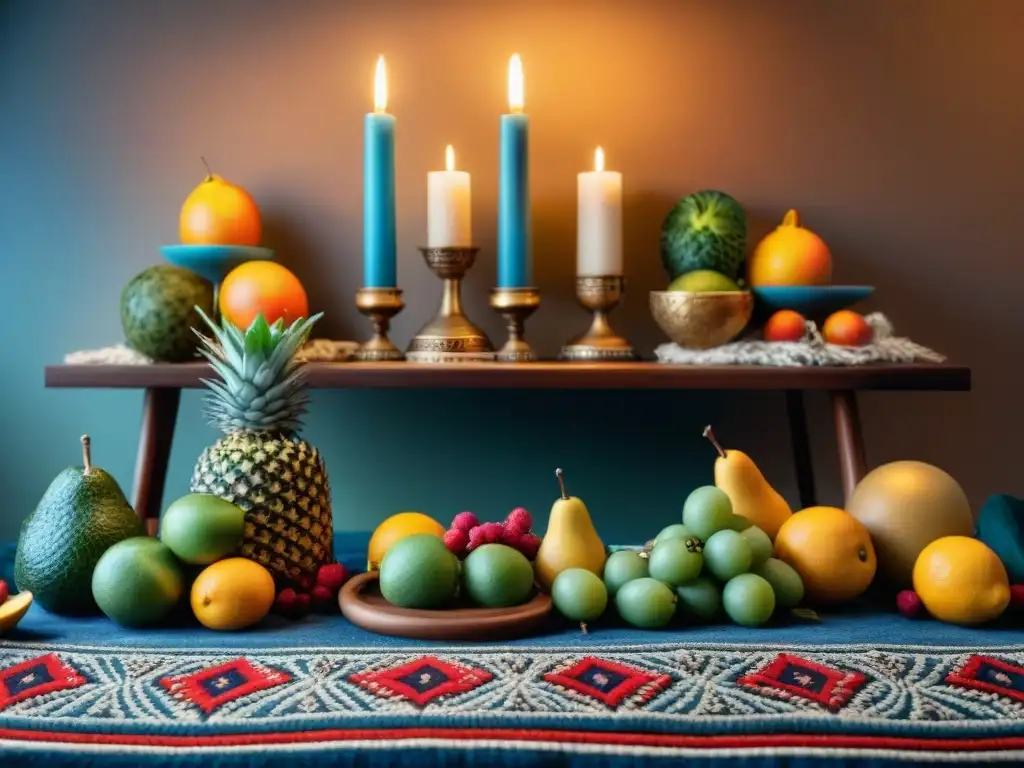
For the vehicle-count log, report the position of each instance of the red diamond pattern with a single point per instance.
(422, 680)
(37, 677)
(608, 681)
(789, 675)
(213, 687)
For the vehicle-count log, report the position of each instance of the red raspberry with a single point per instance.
(284, 603)
(487, 533)
(519, 520)
(456, 540)
(909, 603)
(322, 598)
(332, 576)
(4, 591)
(1016, 595)
(465, 521)
(529, 543)
(301, 605)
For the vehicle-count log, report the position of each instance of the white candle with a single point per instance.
(599, 220)
(448, 206)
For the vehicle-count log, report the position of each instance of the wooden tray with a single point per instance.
(363, 605)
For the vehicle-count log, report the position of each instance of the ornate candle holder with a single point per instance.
(600, 294)
(380, 305)
(515, 305)
(450, 337)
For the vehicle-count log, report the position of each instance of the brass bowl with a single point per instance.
(704, 319)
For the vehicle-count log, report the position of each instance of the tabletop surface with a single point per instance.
(541, 375)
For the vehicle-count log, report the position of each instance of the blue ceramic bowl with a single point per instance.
(214, 261)
(811, 301)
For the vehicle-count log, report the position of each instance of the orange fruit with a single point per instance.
(397, 527)
(785, 325)
(232, 594)
(262, 287)
(831, 550)
(847, 328)
(218, 212)
(961, 581)
(790, 255)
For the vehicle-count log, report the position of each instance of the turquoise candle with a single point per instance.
(514, 188)
(379, 250)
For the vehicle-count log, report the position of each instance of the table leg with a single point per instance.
(801, 447)
(852, 462)
(159, 414)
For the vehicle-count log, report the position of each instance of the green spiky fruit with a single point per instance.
(705, 230)
(159, 312)
(261, 463)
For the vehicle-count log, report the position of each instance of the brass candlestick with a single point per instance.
(515, 305)
(600, 294)
(450, 337)
(380, 305)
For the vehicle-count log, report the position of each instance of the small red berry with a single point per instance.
(909, 604)
(465, 521)
(301, 605)
(529, 543)
(456, 540)
(519, 520)
(305, 581)
(4, 591)
(1016, 596)
(332, 576)
(284, 603)
(322, 598)
(491, 532)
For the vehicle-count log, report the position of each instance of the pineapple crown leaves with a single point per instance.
(262, 385)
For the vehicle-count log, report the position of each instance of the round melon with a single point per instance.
(158, 312)
(705, 230)
(906, 505)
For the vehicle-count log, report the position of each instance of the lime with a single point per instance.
(676, 561)
(672, 531)
(786, 583)
(622, 566)
(706, 511)
(497, 576)
(703, 280)
(702, 597)
(728, 554)
(749, 600)
(201, 528)
(646, 603)
(579, 594)
(760, 545)
(418, 571)
(137, 582)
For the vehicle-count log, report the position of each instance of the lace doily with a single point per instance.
(314, 351)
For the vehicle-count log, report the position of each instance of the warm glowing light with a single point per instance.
(449, 158)
(380, 87)
(515, 83)
(598, 159)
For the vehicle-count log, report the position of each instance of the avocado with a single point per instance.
(82, 514)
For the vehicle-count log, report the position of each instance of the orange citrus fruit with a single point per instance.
(397, 527)
(961, 581)
(790, 255)
(785, 325)
(831, 550)
(232, 594)
(262, 287)
(218, 212)
(847, 328)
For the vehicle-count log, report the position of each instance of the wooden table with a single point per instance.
(163, 384)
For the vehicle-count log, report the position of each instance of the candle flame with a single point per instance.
(449, 158)
(515, 83)
(598, 159)
(380, 87)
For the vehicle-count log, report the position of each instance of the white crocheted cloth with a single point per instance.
(314, 351)
(812, 350)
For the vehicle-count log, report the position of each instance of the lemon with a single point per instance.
(398, 527)
(232, 594)
(961, 581)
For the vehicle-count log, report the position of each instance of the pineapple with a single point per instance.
(260, 463)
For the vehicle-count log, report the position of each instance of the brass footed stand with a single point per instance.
(450, 337)
(599, 294)
(515, 305)
(380, 305)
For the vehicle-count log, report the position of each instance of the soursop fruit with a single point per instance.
(704, 230)
(158, 312)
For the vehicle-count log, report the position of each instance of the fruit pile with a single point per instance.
(844, 328)
(467, 533)
(703, 242)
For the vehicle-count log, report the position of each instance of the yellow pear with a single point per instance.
(751, 495)
(570, 540)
